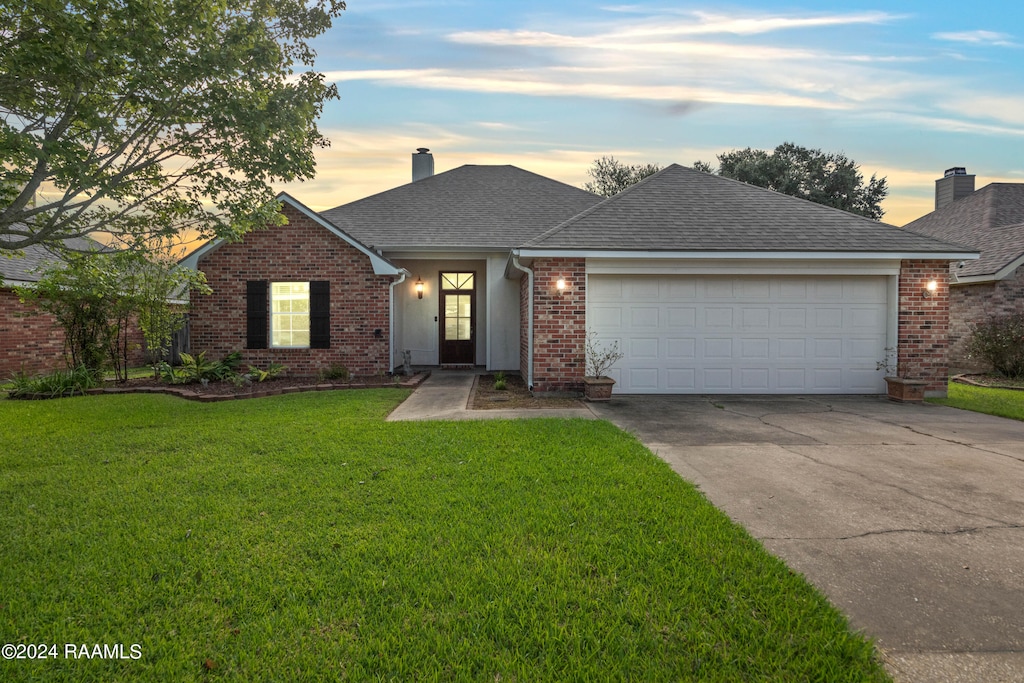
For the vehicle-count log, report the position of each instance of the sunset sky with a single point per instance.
(905, 89)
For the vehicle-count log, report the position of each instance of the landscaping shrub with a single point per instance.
(1000, 342)
(54, 384)
(336, 371)
(197, 368)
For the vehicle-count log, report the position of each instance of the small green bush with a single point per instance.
(197, 369)
(54, 384)
(336, 371)
(1000, 342)
(500, 383)
(257, 375)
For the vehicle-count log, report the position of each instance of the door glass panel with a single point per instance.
(463, 329)
(457, 281)
(458, 310)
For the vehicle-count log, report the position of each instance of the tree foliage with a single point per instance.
(97, 297)
(146, 118)
(826, 178)
(611, 176)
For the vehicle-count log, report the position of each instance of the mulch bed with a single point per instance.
(227, 391)
(990, 380)
(485, 397)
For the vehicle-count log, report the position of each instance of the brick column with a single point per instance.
(924, 324)
(559, 325)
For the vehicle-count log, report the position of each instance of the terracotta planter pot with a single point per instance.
(905, 390)
(598, 388)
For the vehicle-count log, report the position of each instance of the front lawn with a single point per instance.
(1001, 402)
(303, 538)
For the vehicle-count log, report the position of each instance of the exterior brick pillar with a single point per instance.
(923, 333)
(559, 325)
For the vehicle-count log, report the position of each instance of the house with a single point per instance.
(30, 340)
(991, 221)
(708, 285)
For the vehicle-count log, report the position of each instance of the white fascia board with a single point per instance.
(764, 266)
(381, 266)
(1001, 274)
(10, 284)
(442, 255)
(747, 255)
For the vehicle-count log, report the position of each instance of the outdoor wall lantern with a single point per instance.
(930, 289)
(419, 287)
(560, 285)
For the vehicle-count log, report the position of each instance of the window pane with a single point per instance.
(456, 280)
(451, 329)
(464, 329)
(451, 305)
(465, 306)
(289, 321)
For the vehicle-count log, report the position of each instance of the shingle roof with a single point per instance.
(990, 220)
(34, 258)
(679, 209)
(484, 207)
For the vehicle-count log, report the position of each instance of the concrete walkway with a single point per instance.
(445, 396)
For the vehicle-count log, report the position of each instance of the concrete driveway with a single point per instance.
(910, 518)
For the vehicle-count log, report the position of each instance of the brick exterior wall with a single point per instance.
(31, 340)
(977, 303)
(559, 325)
(300, 251)
(924, 324)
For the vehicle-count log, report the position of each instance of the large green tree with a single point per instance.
(611, 176)
(823, 177)
(146, 118)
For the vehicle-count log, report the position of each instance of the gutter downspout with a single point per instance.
(529, 323)
(391, 322)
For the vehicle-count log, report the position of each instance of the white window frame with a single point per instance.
(276, 315)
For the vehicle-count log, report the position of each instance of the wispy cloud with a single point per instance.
(978, 38)
(709, 22)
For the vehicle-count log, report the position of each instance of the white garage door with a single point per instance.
(742, 334)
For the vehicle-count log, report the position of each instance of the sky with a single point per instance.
(906, 89)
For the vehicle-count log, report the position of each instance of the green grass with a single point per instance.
(303, 538)
(1001, 402)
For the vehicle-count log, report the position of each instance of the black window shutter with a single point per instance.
(256, 314)
(320, 314)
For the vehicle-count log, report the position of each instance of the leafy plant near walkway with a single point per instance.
(302, 537)
(52, 385)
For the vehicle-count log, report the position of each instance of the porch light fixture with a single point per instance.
(560, 285)
(930, 289)
(419, 287)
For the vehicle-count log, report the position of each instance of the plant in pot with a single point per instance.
(901, 389)
(599, 359)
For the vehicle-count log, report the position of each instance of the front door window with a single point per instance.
(458, 299)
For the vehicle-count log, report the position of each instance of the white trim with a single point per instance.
(391, 319)
(1001, 274)
(529, 324)
(633, 266)
(746, 255)
(381, 265)
(11, 284)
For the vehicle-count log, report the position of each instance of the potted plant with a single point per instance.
(599, 359)
(900, 389)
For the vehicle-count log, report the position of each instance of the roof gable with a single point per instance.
(381, 265)
(470, 207)
(680, 209)
(990, 220)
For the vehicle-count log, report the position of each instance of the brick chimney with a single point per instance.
(423, 164)
(954, 185)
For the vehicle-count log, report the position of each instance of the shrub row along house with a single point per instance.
(708, 285)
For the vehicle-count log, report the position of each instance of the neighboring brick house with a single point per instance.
(708, 285)
(30, 340)
(991, 221)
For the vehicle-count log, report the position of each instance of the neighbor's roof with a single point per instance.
(680, 209)
(33, 259)
(990, 220)
(470, 207)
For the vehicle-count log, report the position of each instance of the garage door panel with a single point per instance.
(743, 334)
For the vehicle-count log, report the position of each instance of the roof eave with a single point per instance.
(531, 253)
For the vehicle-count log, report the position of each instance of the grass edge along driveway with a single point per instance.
(991, 401)
(301, 537)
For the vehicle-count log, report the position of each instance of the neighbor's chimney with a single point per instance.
(422, 164)
(954, 185)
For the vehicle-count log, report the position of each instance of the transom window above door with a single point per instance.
(457, 281)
